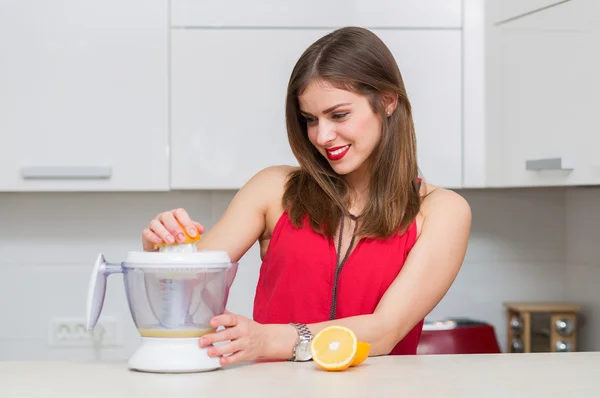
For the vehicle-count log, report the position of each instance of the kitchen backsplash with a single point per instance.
(526, 244)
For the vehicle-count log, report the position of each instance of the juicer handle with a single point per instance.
(97, 289)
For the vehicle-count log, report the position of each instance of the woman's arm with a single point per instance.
(429, 271)
(241, 225)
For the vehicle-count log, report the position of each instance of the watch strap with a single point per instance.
(303, 330)
(304, 334)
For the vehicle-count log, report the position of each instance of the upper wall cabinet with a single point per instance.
(227, 104)
(543, 100)
(229, 83)
(505, 10)
(430, 63)
(317, 13)
(84, 95)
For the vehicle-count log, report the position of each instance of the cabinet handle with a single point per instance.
(549, 164)
(65, 173)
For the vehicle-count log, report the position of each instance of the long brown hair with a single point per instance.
(353, 59)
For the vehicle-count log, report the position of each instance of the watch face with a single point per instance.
(303, 351)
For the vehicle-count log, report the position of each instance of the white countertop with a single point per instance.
(564, 375)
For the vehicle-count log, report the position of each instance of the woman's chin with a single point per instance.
(342, 168)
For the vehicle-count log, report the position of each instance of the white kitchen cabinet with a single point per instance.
(505, 10)
(228, 104)
(317, 13)
(430, 63)
(228, 98)
(84, 95)
(544, 129)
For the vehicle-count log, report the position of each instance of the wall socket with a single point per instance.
(71, 332)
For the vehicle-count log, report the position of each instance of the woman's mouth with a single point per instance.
(338, 152)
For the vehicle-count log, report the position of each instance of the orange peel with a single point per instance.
(188, 238)
(362, 353)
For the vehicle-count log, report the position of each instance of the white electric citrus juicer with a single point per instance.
(172, 296)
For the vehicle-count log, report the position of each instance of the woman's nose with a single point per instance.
(325, 133)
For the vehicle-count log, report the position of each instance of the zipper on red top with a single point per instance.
(339, 265)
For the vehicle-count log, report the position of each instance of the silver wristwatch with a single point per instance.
(302, 347)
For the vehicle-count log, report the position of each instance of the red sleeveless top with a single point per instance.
(296, 280)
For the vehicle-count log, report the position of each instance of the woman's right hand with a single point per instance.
(166, 228)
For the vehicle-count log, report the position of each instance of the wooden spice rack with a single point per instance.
(541, 327)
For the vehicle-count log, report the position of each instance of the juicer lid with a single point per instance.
(199, 259)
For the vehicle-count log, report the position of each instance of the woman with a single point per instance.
(351, 237)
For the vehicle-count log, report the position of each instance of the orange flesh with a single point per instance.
(334, 348)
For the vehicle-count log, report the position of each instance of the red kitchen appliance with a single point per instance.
(457, 336)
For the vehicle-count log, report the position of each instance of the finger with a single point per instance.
(183, 218)
(149, 240)
(159, 229)
(225, 320)
(234, 358)
(228, 334)
(225, 349)
(170, 222)
(199, 227)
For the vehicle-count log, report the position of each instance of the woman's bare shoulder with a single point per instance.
(276, 174)
(271, 181)
(263, 190)
(443, 205)
(270, 184)
(435, 197)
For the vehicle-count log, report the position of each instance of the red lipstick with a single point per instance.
(338, 152)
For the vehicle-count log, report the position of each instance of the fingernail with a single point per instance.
(180, 237)
(170, 239)
(192, 232)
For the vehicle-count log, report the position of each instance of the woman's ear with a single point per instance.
(390, 102)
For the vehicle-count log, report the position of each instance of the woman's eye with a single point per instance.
(339, 115)
(310, 120)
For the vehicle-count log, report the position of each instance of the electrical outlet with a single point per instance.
(71, 332)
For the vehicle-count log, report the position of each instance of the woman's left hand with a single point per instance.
(247, 339)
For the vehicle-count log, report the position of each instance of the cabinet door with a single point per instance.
(228, 98)
(84, 95)
(509, 9)
(547, 125)
(228, 103)
(430, 63)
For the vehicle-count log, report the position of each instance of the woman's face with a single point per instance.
(341, 125)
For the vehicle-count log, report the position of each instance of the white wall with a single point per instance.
(48, 244)
(583, 261)
(49, 241)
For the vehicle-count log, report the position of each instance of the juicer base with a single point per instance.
(172, 355)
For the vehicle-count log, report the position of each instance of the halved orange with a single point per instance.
(336, 348)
